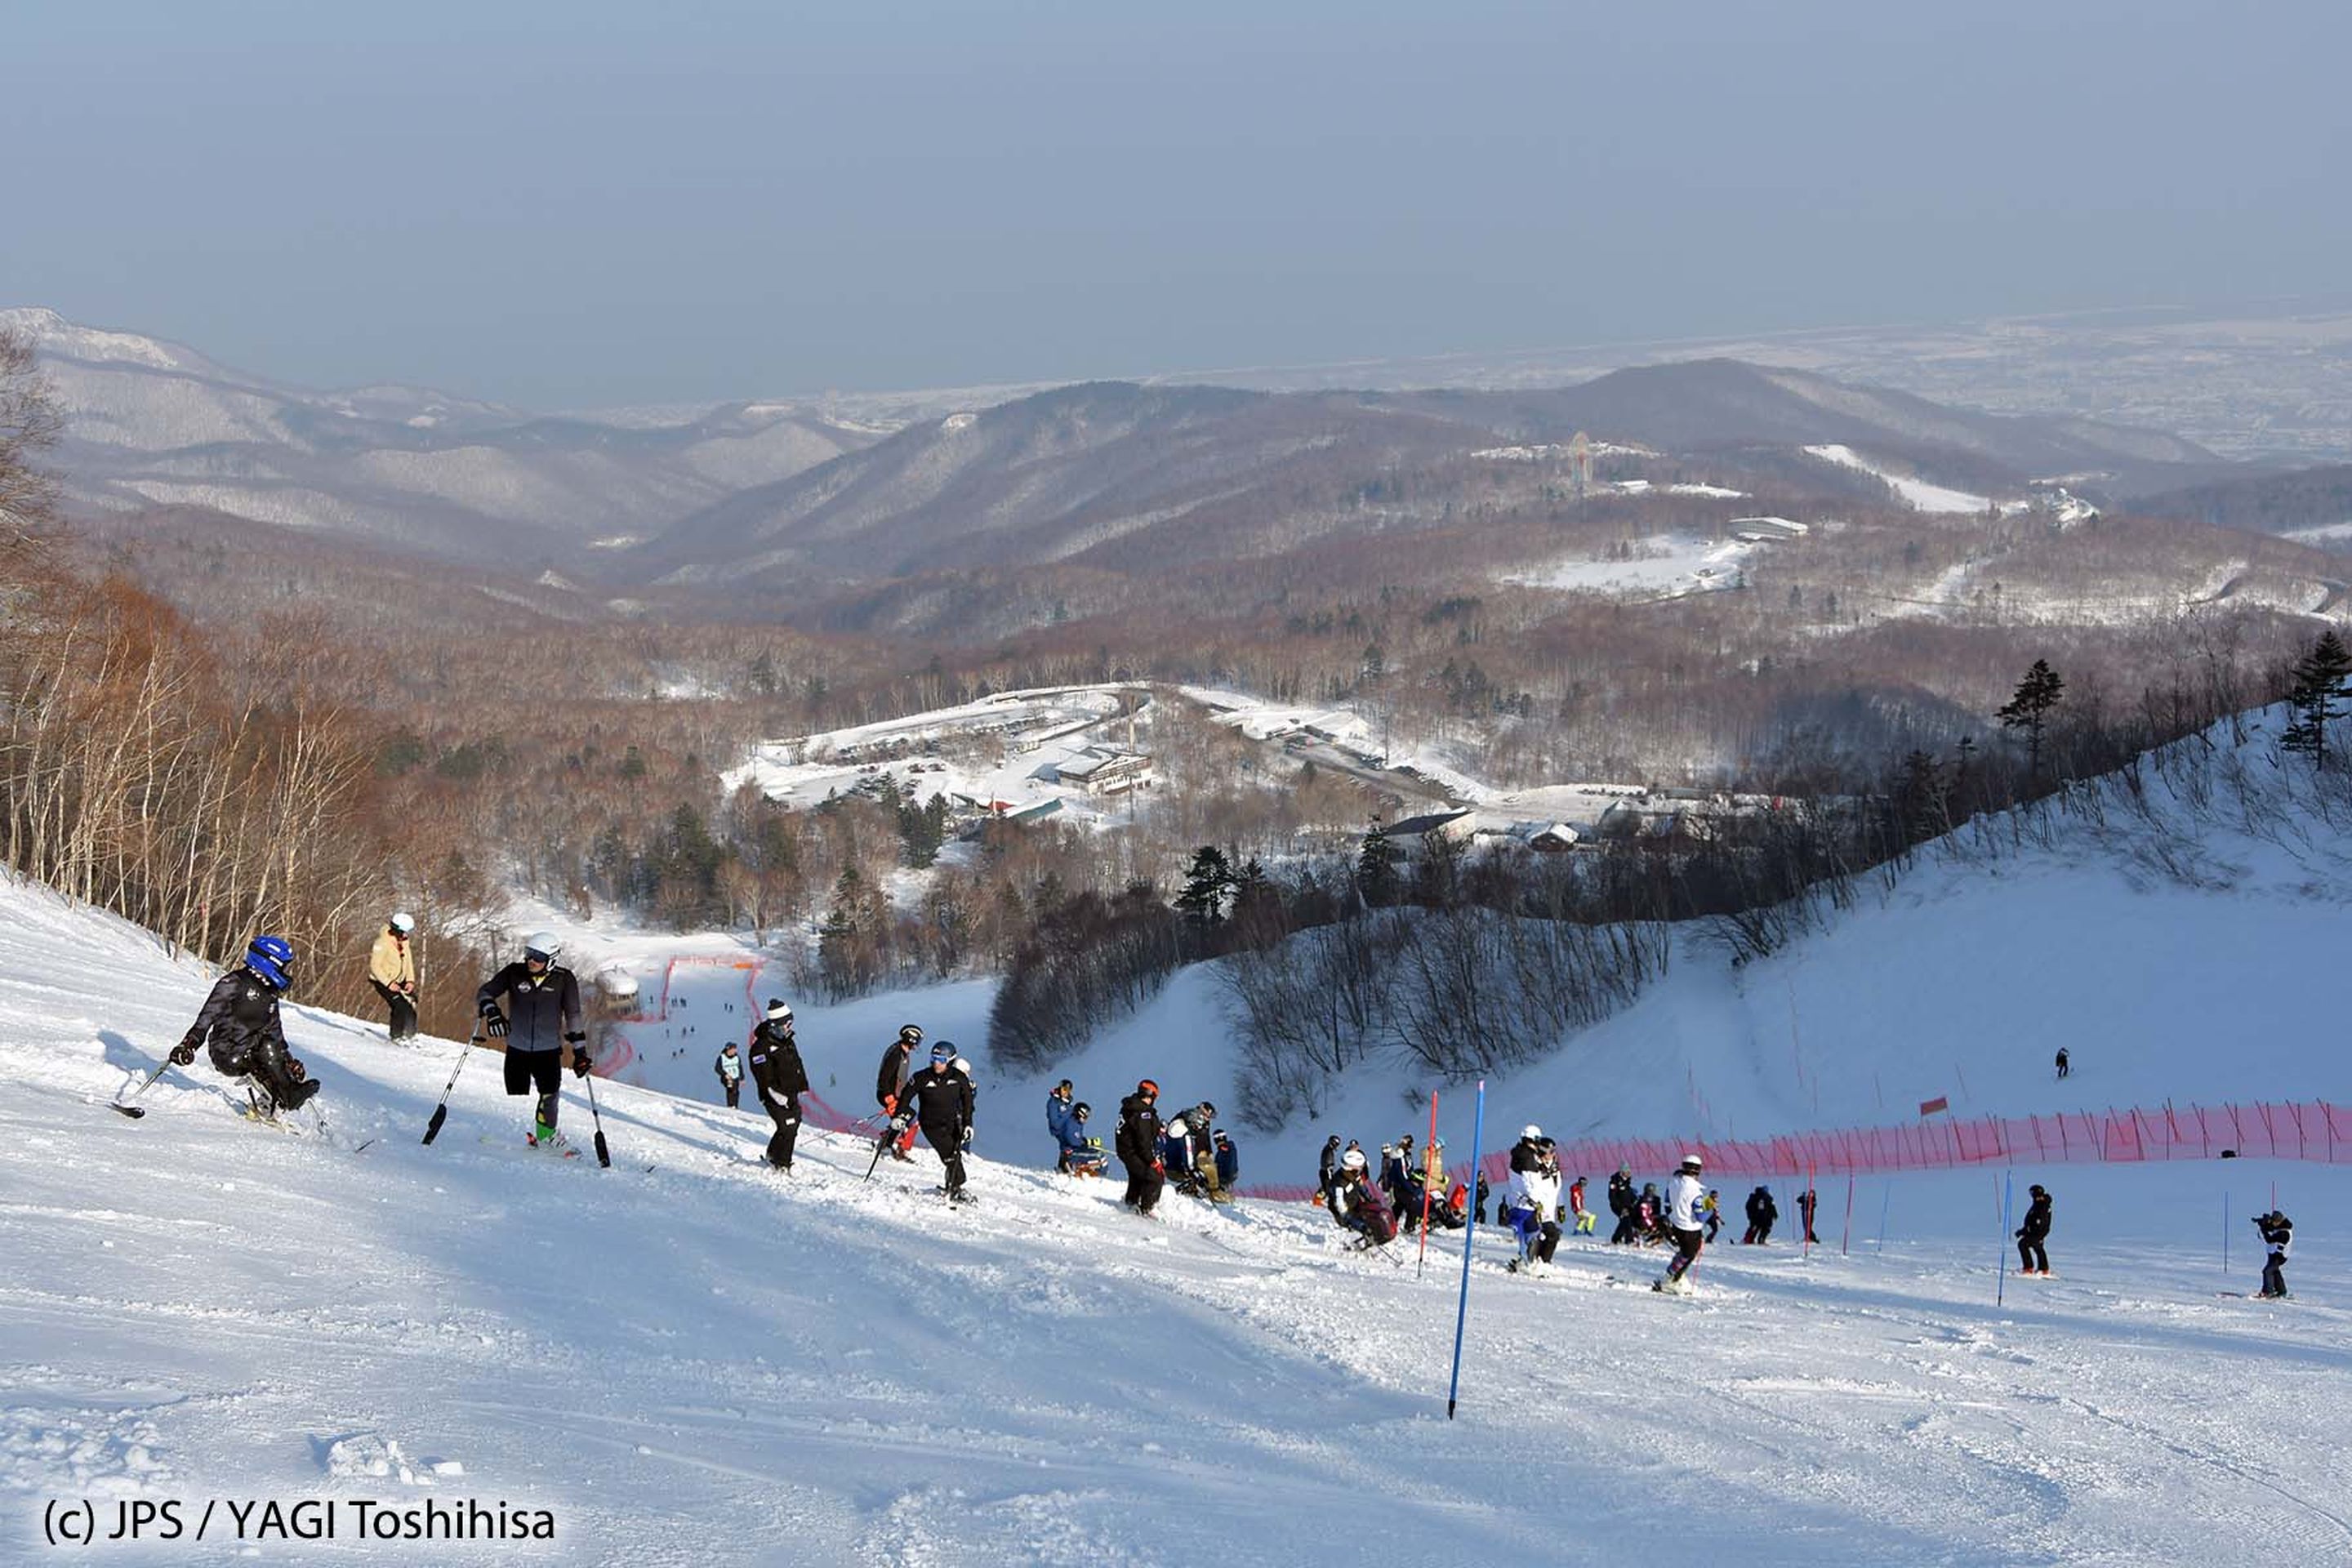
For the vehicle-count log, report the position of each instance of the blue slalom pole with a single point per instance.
(1999, 1291)
(1469, 1234)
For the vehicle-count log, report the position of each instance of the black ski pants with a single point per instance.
(1757, 1234)
(2030, 1257)
(1687, 1244)
(787, 1118)
(2275, 1276)
(734, 1093)
(1627, 1222)
(949, 1142)
(1545, 1242)
(1144, 1185)
(403, 1024)
(542, 1070)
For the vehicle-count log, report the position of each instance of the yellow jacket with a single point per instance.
(391, 964)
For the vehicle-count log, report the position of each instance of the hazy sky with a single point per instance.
(576, 203)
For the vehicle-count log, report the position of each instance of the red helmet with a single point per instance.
(1148, 1089)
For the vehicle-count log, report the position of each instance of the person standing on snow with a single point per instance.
(542, 1018)
(1761, 1212)
(1136, 1145)
(392, 969)
(1532, 1201)
(1229, 1163)
(1684, 1194)
(2033, 1257)
(1620, 1204)
(1058, 1102)
(239, 1024)
(2278, 1233)
(778, 1074)
(1807, 1204)
(729, 1069)
(1582, 1217)
(940, 1099)
(2063, 1068)
(890, 1087)
(1200, 1154)
(1712, 1211)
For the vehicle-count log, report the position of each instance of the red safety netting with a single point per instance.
(2312, 1131)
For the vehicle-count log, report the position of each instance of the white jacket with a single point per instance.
(1537, 1190)
(1683, 1195)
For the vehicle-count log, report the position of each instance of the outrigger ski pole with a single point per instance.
(603, 1156)
(441, 1111)
(136, 1111)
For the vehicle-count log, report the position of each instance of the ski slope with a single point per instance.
(686, 1358)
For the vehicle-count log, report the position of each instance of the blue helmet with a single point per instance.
(270, 957)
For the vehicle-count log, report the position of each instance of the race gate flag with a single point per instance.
(1929, 1107)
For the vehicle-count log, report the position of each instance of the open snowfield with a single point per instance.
(685, 1357)
(1670, 566)
(1916, 493)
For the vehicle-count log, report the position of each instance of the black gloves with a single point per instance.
(494, 1022)
(967, 1138)
(579, 1043)
(184, 1053)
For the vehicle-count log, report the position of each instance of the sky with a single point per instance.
(583, 203)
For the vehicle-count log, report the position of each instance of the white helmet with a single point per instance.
(1353, 1159)
(543, 944)
(963, 1067)
(1691, 1162)
(1531, 1131)
(403, 921)
(1177, 1128)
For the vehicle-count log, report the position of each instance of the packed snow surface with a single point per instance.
(1668, 566)
(1916, 493)
(687, 1358)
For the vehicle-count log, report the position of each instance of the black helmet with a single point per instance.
(1082, 1110)
(913, 1035)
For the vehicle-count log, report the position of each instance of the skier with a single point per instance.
(729, 1069)
(1712, 1209)
(1806, 1204)
(1200, 1152)
(239, 1024)
(2033, 1260)
(889, 1084)
(1229, 1163)
(778, 1074)
(1620, 1204)
(543, 998)
(1761, 1212)
(2278, 1231)
(1584, 1217)
(1532, 1200)
(392, 969)
(1357, 1204)
(1138, 1144)
(1650, 1215)
(1057, 1108)
(1081, 1155)
(1684, 1193)
(940, 1099)
(2063, 1068)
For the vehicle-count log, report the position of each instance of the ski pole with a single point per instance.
(603, 1156)
(441, 1111)
(888, 1133)
(136, 1111)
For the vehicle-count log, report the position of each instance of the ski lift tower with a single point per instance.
(1579, 465)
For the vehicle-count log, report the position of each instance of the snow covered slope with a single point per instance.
(685, 1357)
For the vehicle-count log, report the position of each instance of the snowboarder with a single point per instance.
(2278, 1231)
(1584, 1217)
(2033, 1260)
(1081, 1155)
(1761, 1212)
(239, 1026)
(1684, 1193)
(1806, 1204)
(1136, 1141)
(778, 1073)
(889, 1085)
(729, 1069)
(2063, 1068)
(939, 1100)
(392, 969)
(1620, 1204)
(1531, 1201)
(543, 999)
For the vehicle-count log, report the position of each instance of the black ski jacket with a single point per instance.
(2037, 1220)
(241, 1009)
(890, 1083)
(1137, 1142)
(1621, 1193)
(541, 1009)
(776, 1067)
(1330, 1161)
(1761, 1209)
(940, 1099)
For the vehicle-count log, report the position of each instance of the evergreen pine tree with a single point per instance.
(1206, 885)
(1377, 879)
(2029, 709)
(2318, 683)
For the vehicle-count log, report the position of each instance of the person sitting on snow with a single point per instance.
(1357, 1204)
(1532, 1200)
(1081, 1155)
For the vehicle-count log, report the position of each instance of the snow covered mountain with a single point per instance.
(153, 422)
(686, 1353)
